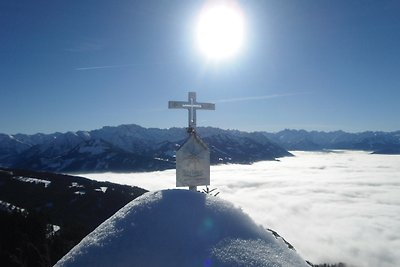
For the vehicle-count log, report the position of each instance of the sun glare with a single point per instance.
(220, 30)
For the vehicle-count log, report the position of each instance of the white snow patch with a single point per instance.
(52, 229)
(76, 185)
(102, 189)
(32, 180)
(161, 159)
(6, 206)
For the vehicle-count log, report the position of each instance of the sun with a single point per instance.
(220, 30)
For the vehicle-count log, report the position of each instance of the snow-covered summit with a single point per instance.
(181, 228)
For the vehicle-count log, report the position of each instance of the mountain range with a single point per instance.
(376, 142)
(128, 148)
(134, 148)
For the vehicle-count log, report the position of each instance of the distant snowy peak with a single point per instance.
(179, 228)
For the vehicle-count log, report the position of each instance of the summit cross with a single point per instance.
(191, 105)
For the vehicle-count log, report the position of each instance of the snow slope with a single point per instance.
(181, 228)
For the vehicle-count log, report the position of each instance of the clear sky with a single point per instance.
(314, 65)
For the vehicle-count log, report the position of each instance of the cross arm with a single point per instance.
(176, 104)
(187, 105)
(208, 106)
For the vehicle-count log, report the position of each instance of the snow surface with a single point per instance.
(174, 228)
(102, 189)
(76, 185)
(32, 180)
(6, 206)
(53, 229)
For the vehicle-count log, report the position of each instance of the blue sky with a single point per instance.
(315, 65)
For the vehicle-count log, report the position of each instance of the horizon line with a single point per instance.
(229, 129)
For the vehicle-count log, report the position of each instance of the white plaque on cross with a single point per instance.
(193, 163)
(191, 105)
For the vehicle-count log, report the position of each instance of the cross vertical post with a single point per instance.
(193, 157)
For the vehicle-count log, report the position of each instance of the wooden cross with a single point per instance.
(191, 105)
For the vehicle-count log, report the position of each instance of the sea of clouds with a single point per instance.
(338, 206)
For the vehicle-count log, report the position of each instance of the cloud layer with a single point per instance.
(338, 206)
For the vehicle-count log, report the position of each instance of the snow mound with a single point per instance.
(174, 228)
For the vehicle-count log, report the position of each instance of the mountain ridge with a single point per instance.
(43, 215)
(130, 147)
